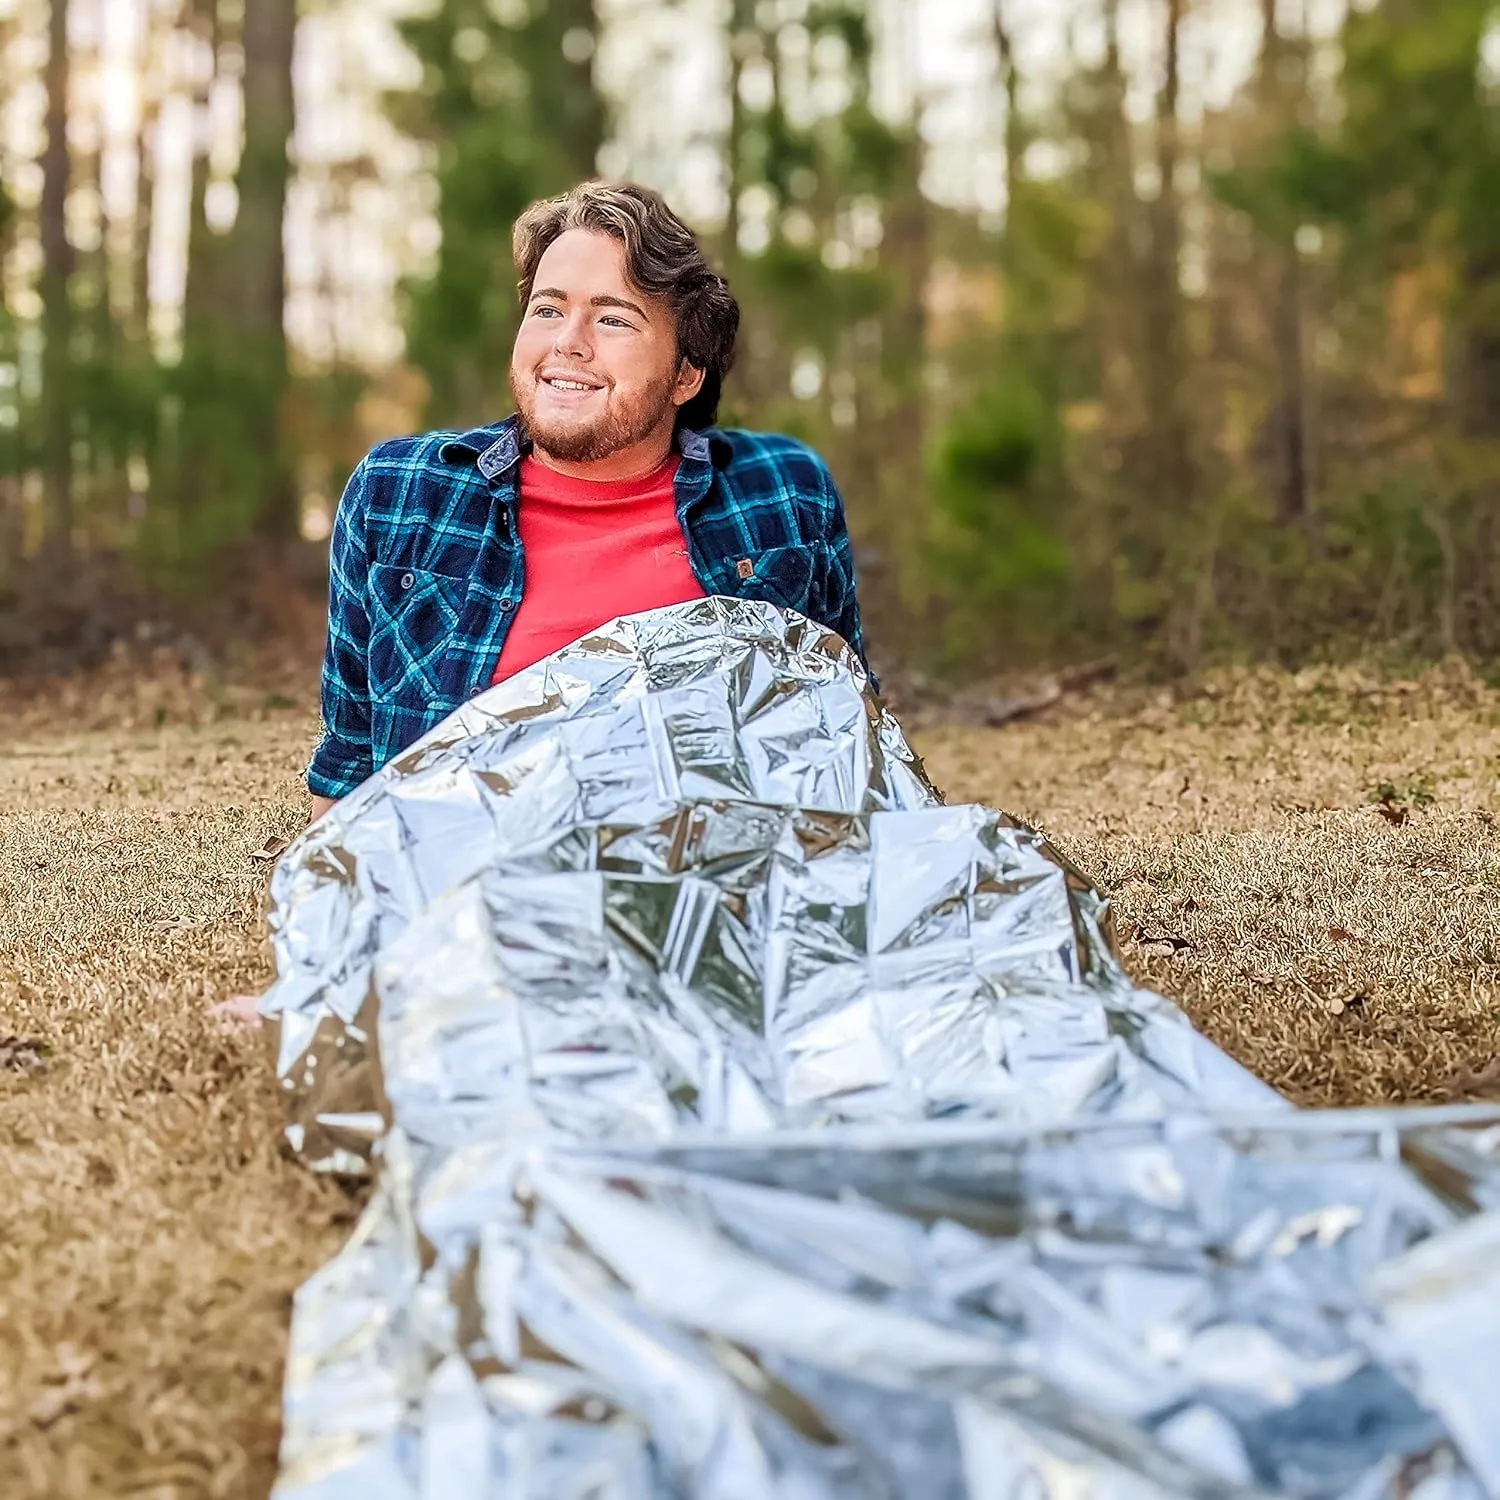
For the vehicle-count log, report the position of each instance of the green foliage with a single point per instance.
(513, 120)
(1091, 443)
(1411, 169)
(998, 540)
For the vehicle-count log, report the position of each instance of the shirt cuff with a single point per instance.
(333, 775)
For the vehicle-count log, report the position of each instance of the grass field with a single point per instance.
(1310, 865)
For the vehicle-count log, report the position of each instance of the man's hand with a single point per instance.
(319, 807)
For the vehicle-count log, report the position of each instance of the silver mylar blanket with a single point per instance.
(747, 1123)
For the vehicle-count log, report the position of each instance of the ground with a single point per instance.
(1308, 864)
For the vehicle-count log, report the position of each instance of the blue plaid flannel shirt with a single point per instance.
(426, 571)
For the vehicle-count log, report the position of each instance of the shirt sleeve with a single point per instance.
(841, 603)
(344, 756)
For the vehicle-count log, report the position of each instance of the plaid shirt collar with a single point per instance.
(502, 445)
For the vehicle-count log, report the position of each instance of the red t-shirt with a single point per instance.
(593, 551)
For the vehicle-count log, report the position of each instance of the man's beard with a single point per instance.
(587, 440)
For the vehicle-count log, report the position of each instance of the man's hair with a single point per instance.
(662, 259)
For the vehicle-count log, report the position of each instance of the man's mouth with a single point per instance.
(568, 386)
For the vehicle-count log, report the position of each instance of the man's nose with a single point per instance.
(574, 337)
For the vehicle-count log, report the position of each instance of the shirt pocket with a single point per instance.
(414, 617)
(790, 577)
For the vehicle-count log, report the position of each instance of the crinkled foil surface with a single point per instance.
(745, 1122)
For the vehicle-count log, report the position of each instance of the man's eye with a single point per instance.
(548, 310)
(616, 322)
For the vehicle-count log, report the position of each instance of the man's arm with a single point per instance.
(344, 755)
(319, 807)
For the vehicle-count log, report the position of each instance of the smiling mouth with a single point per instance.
(569, 387)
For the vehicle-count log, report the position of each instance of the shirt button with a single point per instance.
(407, 579)
(507, 605)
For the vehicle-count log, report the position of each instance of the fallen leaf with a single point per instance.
(1151, 939)
(272, 849)
(1347, 1005)
(1341, 935)
(24, 1054)
(1393, 813)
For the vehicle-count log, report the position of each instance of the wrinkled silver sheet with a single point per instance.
(747, 1123)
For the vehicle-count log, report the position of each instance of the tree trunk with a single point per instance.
(93, 334)
(189, 469)
(741, 24)
(1010, 79)
(1293, 467)
(1478, 384)
(1112, 170)
(200, 302)
(906, 250)
(1164, 349)
(256, 253)
(57, 270)
(1289, 424)
(1184, 548)
(145, 187)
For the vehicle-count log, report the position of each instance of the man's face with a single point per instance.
(594, 371)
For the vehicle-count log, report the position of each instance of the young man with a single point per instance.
(460, 558)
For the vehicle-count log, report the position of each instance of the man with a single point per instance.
(458, 559)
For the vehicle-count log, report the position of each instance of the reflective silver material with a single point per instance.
(721, 699)
(750, 1124)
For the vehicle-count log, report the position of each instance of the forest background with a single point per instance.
(1161, 329)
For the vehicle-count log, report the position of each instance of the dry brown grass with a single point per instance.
(150, 1235)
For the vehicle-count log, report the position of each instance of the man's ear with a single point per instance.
(689, 382)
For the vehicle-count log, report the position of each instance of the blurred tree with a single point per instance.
(255, 292)
(1000, 493)
(1402, 191)
(1281, 95)
(205, 30)
(225, 465)
(906, 268)
(1418, 160)
(508, 100)
(1171, 468)
(832, 242)
(1224, 377)
(57, 320)
(1164, 345)
(12, 536)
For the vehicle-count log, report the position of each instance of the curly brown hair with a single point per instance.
(662, 259)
